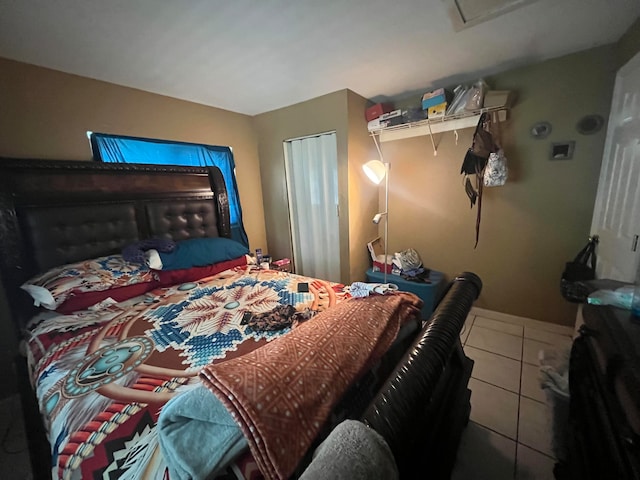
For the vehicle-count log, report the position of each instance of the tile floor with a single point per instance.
(509, 433)
(508, 436)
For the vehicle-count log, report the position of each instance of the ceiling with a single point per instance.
(253, 56)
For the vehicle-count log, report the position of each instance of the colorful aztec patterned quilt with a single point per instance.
(102, 375)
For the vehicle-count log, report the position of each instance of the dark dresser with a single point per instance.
(604, 383)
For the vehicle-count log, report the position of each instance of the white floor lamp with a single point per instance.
(377, 171)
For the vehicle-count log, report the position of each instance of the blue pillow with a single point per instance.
(200, 252)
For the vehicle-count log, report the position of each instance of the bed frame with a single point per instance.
(57, 212)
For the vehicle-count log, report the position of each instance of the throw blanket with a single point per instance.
(282, 393)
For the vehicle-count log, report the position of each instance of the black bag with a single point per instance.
(581, 269)
(482, 146)
(474, 163)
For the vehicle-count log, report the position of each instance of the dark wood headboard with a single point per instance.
(54, 212)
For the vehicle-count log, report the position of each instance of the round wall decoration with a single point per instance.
(540, 130)
(590, 124)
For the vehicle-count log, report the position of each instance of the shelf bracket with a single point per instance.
(433, 144)
(375, 140)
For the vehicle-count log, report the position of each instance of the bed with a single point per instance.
(100, 420)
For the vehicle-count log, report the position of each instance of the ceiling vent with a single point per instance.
(467, 13)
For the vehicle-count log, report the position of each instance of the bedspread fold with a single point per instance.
(282, 393)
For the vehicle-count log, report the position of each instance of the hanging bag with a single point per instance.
(581, 269)
(496, 173)
(482, 146)
(474, 163)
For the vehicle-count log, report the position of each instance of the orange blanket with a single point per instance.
(282, 393)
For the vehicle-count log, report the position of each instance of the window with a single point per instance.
(120, 149)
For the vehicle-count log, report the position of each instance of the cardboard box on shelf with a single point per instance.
(498, 98)
(392, 118)
(390, 122)
(391, 114)
(413, 114)
(437, 110)
(376, 250)
(435, 97)
(376, 110)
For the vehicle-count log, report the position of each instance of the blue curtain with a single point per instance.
(119, 149)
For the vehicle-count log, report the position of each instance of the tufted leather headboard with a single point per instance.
(56, 212)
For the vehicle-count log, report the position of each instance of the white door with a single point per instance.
(311, 166)
(616, 217)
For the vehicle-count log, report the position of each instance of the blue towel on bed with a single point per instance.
(197, 435)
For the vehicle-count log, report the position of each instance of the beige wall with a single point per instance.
(363, 195)
(46, 114)
(332, 112)
(539, 219)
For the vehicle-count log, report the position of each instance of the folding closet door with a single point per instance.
(311, 166)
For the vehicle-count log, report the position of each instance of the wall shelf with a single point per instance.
(438, 125)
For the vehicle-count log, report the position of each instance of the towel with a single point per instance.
(197, 435)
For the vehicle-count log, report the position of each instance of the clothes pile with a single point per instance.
(408, 265)
(362, 289)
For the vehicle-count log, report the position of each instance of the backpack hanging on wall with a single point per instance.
(581, 269)
(474, 164)
(482, 146)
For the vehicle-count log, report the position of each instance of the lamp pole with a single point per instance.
(376, 170)
(386, 221)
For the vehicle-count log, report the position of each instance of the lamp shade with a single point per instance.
(375, 170)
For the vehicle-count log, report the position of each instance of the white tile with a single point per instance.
(496, 342)
(466, 328)
(530, 383)
(503, 317)
(531, 350)
(549, 327)
(495, 369)
(524, 321)
(532, 465)
(535, 426)
(484, 454)
(547, 337)
(494, 408)
(505, 327)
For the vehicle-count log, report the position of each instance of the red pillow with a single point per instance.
(176, 277)
(165, 278)
(84, 300)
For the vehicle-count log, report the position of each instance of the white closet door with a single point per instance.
(311, 166)
(616, 217)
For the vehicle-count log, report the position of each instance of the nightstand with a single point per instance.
(430, 293)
